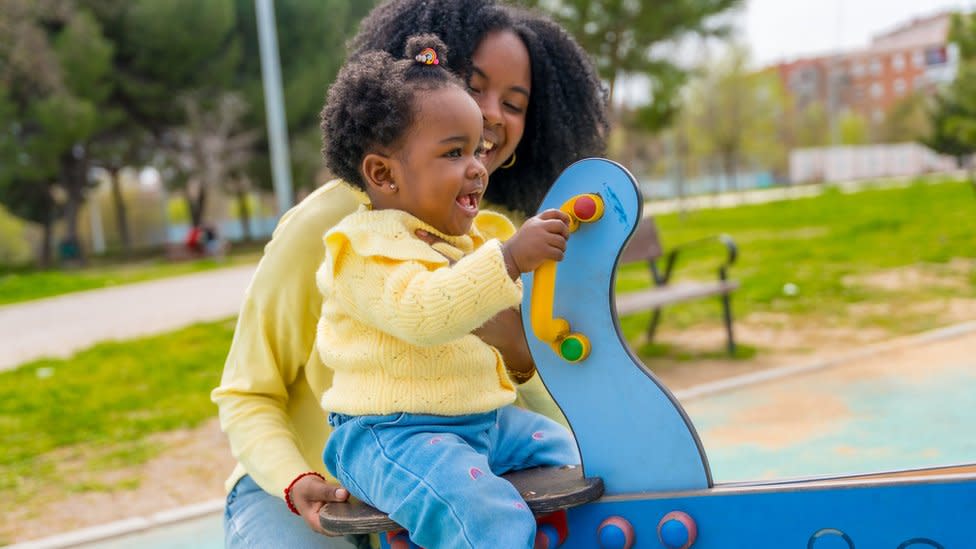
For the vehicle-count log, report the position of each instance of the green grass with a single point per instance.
(24, 285)
(814, 243)
(98, 408)
(656, 349)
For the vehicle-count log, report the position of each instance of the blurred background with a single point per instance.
(831, 140)
(127, 123)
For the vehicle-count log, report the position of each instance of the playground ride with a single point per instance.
(645, 480)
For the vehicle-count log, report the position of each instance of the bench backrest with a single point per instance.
(644, 245)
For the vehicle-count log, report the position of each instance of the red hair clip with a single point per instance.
(427, 56)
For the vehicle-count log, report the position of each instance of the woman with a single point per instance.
(543, 108)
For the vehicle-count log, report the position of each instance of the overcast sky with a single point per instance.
(784, 29)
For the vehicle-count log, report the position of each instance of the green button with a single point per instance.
(571, 348)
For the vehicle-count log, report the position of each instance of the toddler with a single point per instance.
(422, 408)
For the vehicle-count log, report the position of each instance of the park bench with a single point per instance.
(645, 246)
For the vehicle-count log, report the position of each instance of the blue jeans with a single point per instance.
(437, 475)
(254, 519)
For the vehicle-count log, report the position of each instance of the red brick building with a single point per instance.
(913, 56)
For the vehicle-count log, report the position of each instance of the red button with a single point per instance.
(584, 208)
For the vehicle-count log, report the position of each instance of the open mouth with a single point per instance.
(469, 202)
(488, 144)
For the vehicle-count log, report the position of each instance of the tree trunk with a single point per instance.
(729, 167)
(74, 177)
(201, 206)
(245, 213)
(47, 237)
(121, 216)
(196, 204)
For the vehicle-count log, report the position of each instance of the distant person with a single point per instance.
(543, 108)
(194, 240)
(213, 245)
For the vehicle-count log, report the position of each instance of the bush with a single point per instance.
(15, 249)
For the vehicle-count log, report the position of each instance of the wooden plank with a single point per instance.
(653, 298)
(545, 490)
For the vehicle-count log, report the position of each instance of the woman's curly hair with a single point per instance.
(372, 103)
(566, 118)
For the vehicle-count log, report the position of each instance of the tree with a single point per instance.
(622, 36)
(907, 121)
(165, 49)
(853, 128)
(211, 152)
(57, 64)
(953, 115)
(124, 146)
(733, 114)
(811, 127)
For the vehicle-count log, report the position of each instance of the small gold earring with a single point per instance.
(510, 163)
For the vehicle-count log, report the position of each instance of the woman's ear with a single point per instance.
(378, 171)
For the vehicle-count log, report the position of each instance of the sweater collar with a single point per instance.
(453, 246)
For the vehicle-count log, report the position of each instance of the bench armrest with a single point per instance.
(671, 258)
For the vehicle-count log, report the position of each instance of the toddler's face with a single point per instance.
(438, 171)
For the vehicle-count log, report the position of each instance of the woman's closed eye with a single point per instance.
(517, 109)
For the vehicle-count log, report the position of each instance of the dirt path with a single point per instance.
(60, 326)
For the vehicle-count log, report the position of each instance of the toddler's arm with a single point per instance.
(422, 306)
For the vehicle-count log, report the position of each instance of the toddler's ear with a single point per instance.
(378, 171)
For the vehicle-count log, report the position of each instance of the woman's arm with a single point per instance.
(504, 332)
(273, 339)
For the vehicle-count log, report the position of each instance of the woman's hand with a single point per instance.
(310, 493)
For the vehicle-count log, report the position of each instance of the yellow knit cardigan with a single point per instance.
(397, 316)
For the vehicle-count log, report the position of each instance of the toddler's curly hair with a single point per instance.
(373, 102)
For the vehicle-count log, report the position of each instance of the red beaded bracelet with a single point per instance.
(291, 506)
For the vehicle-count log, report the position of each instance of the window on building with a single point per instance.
(899, 86)
(898, 62)
(877, 115)
(876, 66)
(936, 55)
(918, 59)
(857, 68)
(877, 90)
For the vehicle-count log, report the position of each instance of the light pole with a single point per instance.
(274, 104)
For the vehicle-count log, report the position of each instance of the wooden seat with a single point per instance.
(545, 490)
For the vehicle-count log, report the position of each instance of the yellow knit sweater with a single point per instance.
(273, 380)
(397, 316)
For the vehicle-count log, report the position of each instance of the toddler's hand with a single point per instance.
(541, 238)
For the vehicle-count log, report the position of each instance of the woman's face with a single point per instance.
(501, 83)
